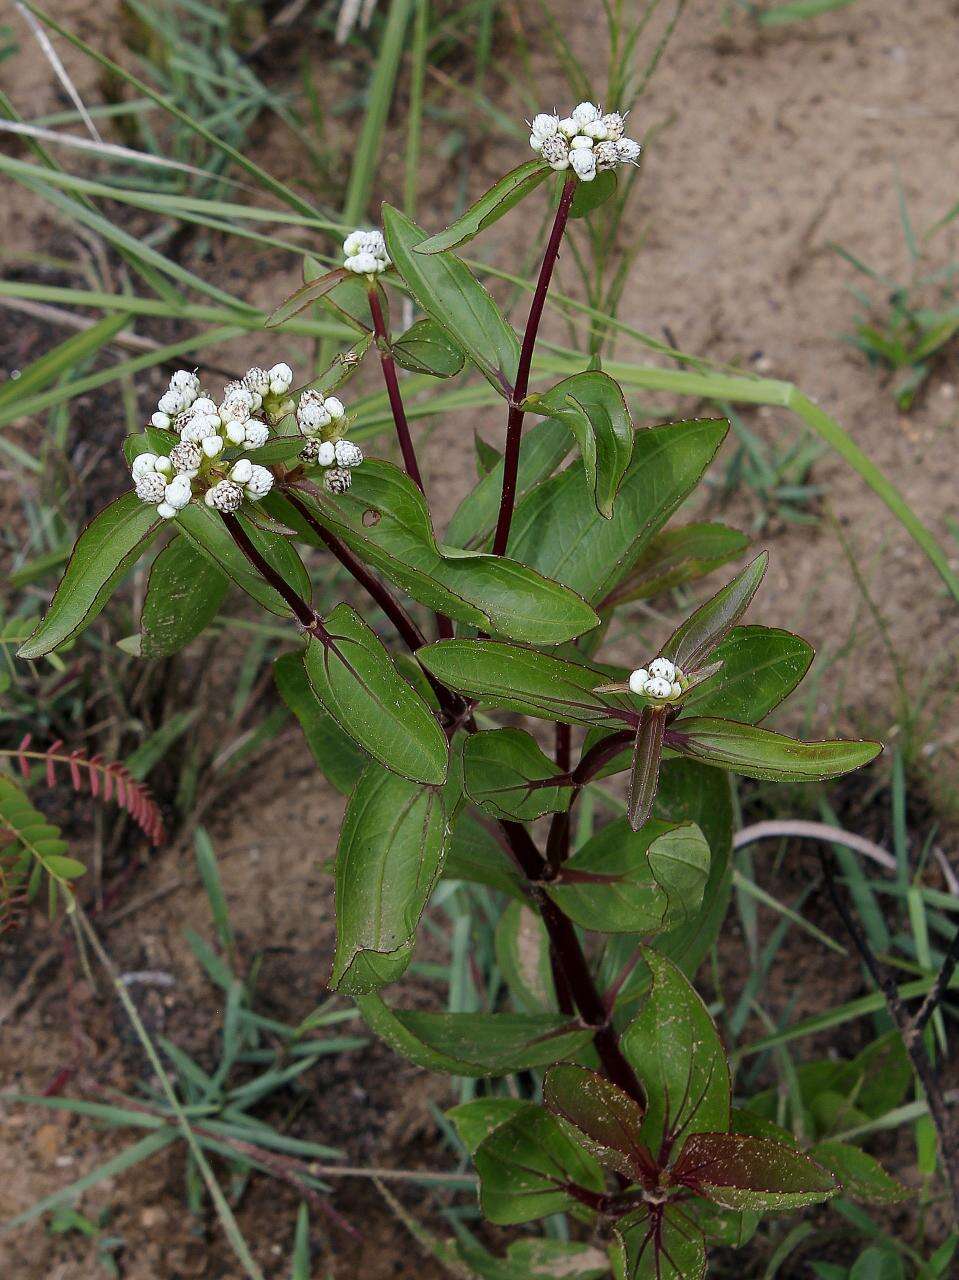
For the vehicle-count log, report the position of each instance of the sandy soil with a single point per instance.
(772, 149)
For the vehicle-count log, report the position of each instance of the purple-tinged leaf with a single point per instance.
(644, 771)
(659, 1243)
(609, 1119)
(489, 208)
(760, 753)
(307, 294)
(675, 557)
(703, 630)
(742, 1172)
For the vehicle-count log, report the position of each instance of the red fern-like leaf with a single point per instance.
(104, 779)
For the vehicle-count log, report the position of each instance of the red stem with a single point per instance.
(305, 614)
(514, 422)
(393, 390)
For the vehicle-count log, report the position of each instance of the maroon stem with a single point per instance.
(393, 390)
(443, 624)
(305, 614)
(514, 422)
(400, 619)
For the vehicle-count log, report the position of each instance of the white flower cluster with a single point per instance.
(586, 141)
(663, 680)
(323, 421)
(205, 429)
(365, 253)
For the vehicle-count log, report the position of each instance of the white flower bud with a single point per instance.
(676, 689)
(325, 453)
(595, 130)
(242, 471)
(212, 445)
(535, 142)
(657, 687)
(224, 496)
(606, 155)
(171, 402)
(257, 434)
(663, 668)
(236, 406)
(235, 432)
(568, 127)
(143, 464)
(166, 511)
(150, 488)
(312, 416)
(186, 380)
(362, 264)
(544, 126)
(556, 152)
(163, 465)
(581, 143)
(584, 165)
(337, 480)
(204, 405)
(186, 457)
(179, 492)
(260, 483)
(586, 113)
(161, 420)
(257, 380)
(353, 243)
(335, 408)
(615, 126)
(347, 453)
(628, 150)
(637, 681)
(281, 378)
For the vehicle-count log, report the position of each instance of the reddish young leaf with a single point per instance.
(607, 1117)
(644, 775)
(739, 1171)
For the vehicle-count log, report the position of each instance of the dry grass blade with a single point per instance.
(59, 69)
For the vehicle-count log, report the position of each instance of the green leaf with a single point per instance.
(691, 643)
(451, 295)
(676, 1051)
(523, 955)
(475, 1044)
(339, 758)
(590, 195)
(592, 406)
(385, 520)
(490, 207)
(739, 1171)
(675, 557)
(545, 445)
(761, 667)
(625, 881)
(528, 1166)
(305, 296)
(108, 546)
(427, 348)
(389, 857)
(690, 792)
(609, 1119)
(760, 753)
(475, 1121)
(206, 530)
(475, 855)
(487, 457)
(859, 1174)
(518, 679)
(664, 1245)
(878, 1262)
(557, 529)
(66, 868)
(354, 677)
(500, 764)
(184, 593)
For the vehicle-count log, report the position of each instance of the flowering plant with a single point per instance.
(631, 1129)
